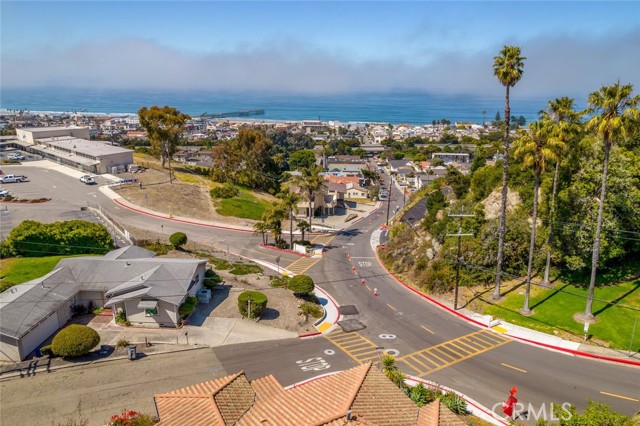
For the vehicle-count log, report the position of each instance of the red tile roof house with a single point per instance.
(362, 395)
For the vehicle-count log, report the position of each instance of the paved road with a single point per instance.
(100, 390)
(427, 341)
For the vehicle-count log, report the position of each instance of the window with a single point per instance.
(151, 312)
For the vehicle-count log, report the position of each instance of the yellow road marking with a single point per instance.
(391, 307)
(427, 329)
(453, 351)
(499, 329)
(356, 346)
(620, 396)
(369, 288)
(513, 368)
(324, 326)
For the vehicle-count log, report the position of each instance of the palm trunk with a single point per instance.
(503, 208)
(291, 227)
(310, 209)
(596, 243)
(525, 309)
(545, 280)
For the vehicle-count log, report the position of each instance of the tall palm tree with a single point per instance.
(289, 201)
(508, 68)
(614, 107)
(535, 148)
(261, 228)
(303, 226)
(310, 182)
(273, 218)
(566, 126)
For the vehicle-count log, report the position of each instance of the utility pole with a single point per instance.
(458, 260)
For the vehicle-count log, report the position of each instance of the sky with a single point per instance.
(572, 47)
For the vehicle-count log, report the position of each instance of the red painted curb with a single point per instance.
(545, 345)
(283, 250)
(180, 220)
(300, 336)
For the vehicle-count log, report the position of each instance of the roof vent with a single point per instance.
(127, 264)
(348, 415)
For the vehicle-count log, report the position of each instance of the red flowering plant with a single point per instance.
(123, 419)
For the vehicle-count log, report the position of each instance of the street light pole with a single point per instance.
(458, 260)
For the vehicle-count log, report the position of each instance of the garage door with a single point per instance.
(39, 334)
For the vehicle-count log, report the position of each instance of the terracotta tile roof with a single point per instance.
(364, 391)
(267, 387)
(314, 403)
(193, 405)
(436, 414)
(383, 403)
(235, 399)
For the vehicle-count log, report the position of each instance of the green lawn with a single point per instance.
(17, 270)
(554, 309)
(245, 206)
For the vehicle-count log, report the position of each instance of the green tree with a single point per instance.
(178, 239)
(390, 369)
(596, 414)
(75, 340)
(301, 284)
(535, 148)
(273, 217)
(261, 227)
(303, 226)
(566, 126)
(303, 158)
(310, 182)
(508, 68)
(614, 108)
(164, 126)
(289, 201)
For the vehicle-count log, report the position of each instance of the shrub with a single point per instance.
(310, 310)
(121, 318)
(239, 268)
(78, 309)
(155, 246)
(97, 311)
(6, 284)
(301, 284)
(453, 402)
(220, 264)
(75, 340)
(258, 303)
(122, 343)
(275, 281)
(178, 239)
(188, 306)
(46, 350)
(209, 273)
(228, 190)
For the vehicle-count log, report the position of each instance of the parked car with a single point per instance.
(3, 193)
(12, 178)
(15, 156)
(87, 180)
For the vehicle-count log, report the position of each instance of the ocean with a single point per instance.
(393, 107)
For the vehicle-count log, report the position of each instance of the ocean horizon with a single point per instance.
(391, 107)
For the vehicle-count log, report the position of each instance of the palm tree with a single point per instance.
(390, 369)
(614, 107)
(535, 148)
(261, 228)
(303, 226)
(508, 68)
(310, 182)
(273, 217)
(289, 201)
(566, 125)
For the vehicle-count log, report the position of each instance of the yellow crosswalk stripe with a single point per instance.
(445, 354)
(358, 347)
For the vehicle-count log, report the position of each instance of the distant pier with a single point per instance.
(242, 113)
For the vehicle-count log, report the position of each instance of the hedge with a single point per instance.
(75, 340)
(301, 284)
(258, 303)
(188, 306)
(178, 239)
(35, 239)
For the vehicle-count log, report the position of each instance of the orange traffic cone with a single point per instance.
(375, 291)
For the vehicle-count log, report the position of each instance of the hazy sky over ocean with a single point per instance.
(572, 47)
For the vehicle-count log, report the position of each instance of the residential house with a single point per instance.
(148, 290)
(362, 395)
(450, 157)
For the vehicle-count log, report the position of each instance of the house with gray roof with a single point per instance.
(148, 290)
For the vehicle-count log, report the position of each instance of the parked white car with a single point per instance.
(87, 180)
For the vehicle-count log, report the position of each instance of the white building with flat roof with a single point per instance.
(70, 146)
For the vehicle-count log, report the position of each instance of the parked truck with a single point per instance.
(12, 178)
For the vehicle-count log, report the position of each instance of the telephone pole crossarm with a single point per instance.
(459, 234)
